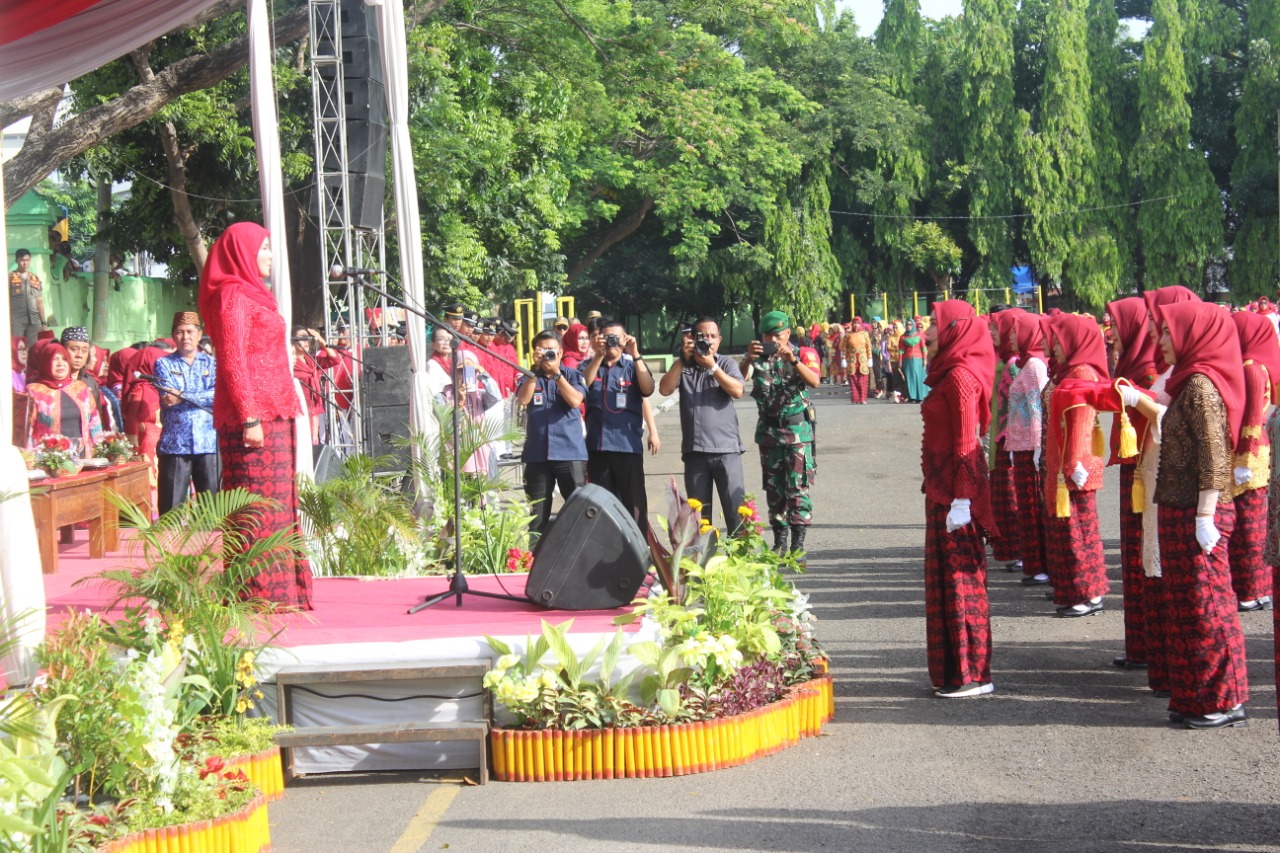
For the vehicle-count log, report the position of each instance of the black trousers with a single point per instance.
(724, 471)
(623, 475)
(540, 481)
(178, 472)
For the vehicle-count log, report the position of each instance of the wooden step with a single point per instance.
(321, 673)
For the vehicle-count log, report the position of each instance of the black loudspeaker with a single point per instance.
(365, 101)
(384, 425)
(593, 557)
(386, 378)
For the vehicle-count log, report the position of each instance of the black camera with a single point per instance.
(612, 341)
(769, 349)
(701, 345)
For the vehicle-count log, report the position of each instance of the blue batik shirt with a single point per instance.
(188, 429)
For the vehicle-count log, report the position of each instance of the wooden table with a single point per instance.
(61, 501)
(132, 482)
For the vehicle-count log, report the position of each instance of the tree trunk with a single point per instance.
(177, 162)
(620, 230)
(102, 263)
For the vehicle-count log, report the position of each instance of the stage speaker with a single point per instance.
(593, 557)
(386, 378)
(384, 425)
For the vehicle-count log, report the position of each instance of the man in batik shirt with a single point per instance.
(188, 448)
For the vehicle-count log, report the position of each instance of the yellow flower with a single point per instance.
(705, 527)
(695, 504)
(744, 511)
(242, 705)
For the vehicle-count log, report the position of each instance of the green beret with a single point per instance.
(774, 321)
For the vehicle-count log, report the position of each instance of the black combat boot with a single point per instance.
(779, 540)
(797, 540)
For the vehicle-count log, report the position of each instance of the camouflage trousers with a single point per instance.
(789, 471)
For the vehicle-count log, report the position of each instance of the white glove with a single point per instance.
(1079, 475)
(1243, 475)
(958, 516)
(1129, 396)
(1010, 457)
(1036, 457)
(1206, 533)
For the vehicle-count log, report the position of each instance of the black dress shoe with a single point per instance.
(1048, 596)
(1074, 611)
(1162, 694)
(1032, 580)
(1124, 663)
(1235, 717)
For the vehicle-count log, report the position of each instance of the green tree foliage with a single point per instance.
(1253, 176)
(1180, 223)
(987, 60)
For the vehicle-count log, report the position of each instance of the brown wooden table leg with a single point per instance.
(97, 537)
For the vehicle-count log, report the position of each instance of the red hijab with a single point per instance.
(1082, 345)
(1029, 336)
(13, 352)
(100, 365)
(117, 365)
(1206, 342)
(1137, 350)
(1156, 299)
(232, 270)
(964, 341)
(1006, 322)
(573, 352)
(1258, 342)
(40, 365)
(139, 391)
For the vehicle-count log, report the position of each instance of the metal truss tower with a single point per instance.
(342, 243)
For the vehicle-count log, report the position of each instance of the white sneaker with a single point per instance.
(966, 690)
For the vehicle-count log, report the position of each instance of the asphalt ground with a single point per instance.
(1068, 754)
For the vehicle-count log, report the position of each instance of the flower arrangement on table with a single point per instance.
(735, 634)
(55, 455)
(115, 447)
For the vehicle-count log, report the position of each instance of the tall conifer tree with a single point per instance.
(1180, 222)
(987, 81)
(1255, 270)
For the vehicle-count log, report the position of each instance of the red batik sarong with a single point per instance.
(1155, 609)
(1207, 665)
(1250, 575)
(858, 385)
(1006, 547)
(1131, 573)
(1077, 562)
(1032, 534)
(270, 471)
(957, 614)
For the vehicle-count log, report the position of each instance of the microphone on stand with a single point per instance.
(338, 271)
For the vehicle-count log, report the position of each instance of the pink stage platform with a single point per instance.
(350, 610)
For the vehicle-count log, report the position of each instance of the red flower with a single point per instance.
(212, 765)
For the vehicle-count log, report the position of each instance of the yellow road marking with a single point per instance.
(419, 830)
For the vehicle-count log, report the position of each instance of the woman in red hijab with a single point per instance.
(140, 405)
(1024, 439)
(60, 403)
(1007, 547)
(1207, 667)
(1250, 575)
(1073, 473)
(962, 373)
(1135, 353)
(575, 343)
(255, 402)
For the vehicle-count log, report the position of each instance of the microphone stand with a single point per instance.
(154, 382)
(458, 581)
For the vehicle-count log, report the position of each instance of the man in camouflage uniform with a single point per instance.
(780, 385)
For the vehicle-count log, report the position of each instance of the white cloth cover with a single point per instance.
(390, 17)
(67, 49)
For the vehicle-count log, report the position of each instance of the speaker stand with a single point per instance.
(458, 587)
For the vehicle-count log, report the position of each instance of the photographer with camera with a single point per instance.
(555, 453)
(710, 446)
(312, 355)
(781, 381)
(618, 380)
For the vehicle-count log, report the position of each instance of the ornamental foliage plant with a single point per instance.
(739, 634)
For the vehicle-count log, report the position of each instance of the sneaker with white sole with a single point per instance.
(965, 690)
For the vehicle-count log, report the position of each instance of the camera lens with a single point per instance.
(548, 355)
(703, 347)
(612, 341)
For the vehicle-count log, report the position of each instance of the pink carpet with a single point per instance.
(350, 610)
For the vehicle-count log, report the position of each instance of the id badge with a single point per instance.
(621, 400)
(537, 398)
